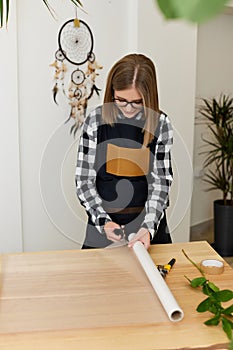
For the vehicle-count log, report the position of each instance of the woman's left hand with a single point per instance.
(143, 236)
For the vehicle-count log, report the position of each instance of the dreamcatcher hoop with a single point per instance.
(77, 77)
(75, 47)
(76, 42)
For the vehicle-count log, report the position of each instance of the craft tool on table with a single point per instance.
(164, 269)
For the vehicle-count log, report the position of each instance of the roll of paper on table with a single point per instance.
(167, 299)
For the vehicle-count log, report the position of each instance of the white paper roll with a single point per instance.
(169, 303)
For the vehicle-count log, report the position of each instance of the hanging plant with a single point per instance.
(5, 8)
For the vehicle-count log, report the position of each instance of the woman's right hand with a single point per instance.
(109, 228)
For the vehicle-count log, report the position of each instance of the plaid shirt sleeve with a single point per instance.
(86, 174)
(158, 188)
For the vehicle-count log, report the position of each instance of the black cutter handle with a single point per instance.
(119, 232)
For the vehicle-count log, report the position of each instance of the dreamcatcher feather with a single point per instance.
(75, 53)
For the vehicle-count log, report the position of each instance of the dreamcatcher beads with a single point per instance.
(75, 41)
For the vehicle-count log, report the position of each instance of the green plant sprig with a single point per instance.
(213, 303)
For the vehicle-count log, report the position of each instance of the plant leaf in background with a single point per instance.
(77, 3)
(1, 13)
(51, 10)
(197, 11)
(217, 114)
(5, 7)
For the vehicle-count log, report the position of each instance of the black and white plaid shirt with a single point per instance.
(158, 189)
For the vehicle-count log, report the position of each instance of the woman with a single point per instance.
(124, 172)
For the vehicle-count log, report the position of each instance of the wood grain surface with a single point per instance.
(102, 299)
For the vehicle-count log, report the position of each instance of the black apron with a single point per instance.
(123, 166)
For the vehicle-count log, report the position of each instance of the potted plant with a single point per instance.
(218, 164)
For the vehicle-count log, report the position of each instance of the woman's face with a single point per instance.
(129, 101)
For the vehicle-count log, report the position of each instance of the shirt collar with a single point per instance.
(138, 116)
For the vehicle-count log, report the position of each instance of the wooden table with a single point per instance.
(101, 299)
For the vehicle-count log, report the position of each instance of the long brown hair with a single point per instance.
(134, 70)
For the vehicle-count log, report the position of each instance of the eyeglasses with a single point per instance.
(120, 102)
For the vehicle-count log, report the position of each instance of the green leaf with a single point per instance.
(215, 308)
(204, 305)
(213, 287)
(213, 321)
(51, 10)
(1, 13)
(7, 10)
(199, 281)
(218, 116)
(77, 3)
(223, 295)
(207, 290)
(226, 326)
(228, 310)
(192, 10)
(231, 323)
(231, 345)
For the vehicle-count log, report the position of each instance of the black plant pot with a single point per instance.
(223, 228)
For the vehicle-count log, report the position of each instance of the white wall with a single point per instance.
(37, 151)
(10, 203)
(57, 222)
(214, 76)
(172, 46)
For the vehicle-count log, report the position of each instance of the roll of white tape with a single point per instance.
(212, 266)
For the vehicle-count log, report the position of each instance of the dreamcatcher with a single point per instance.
(75, 54)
